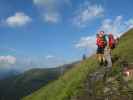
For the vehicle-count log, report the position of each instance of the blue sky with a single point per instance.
(52, 32)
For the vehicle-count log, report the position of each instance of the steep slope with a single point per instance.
(23, 84)
(68, 85)
(124, 51)
(111, 83)
(72, 86)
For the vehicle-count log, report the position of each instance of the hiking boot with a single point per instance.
(105, 63)
(101, 63)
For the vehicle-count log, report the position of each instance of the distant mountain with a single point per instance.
(18, 86)
(5, 73)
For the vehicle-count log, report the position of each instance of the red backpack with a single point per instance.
(100, 42)
(111, 41)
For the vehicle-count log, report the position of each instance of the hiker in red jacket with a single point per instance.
(111, 44)
(112, 41)
(101, 44)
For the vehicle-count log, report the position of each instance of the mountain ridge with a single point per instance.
(25, 83)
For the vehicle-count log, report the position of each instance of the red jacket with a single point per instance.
(111, 40)
(100, 42)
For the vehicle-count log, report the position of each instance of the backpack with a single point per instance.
(101, 42)
(105, 40)
(111, 41)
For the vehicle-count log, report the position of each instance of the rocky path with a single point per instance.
(102, 85)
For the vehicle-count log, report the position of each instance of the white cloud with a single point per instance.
(50, 1)
(87, 14)
(52, 18)
(117, 26)
(19, 19)
(130, 23)
(39, 1)
(7, 59)
(87, 42)
(46, 5)
(49, 57)
(47, 61)
(7, 49)
(50, 9)
(43, 2)
(51, 4)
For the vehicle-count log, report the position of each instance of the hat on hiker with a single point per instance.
(101, 33)
(110, 34)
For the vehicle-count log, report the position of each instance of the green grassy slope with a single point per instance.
(116, 86)
(72, 83)
(124, 51)
(69, 84)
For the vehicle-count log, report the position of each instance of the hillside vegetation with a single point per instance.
(69, 84)
(73, 85)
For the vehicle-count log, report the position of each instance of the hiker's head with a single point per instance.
(111, 35)
(101, 33)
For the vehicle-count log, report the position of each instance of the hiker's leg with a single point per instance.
(109, 60)
(99, 57)
(99, 54)
(108, 57)
(103, 56)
